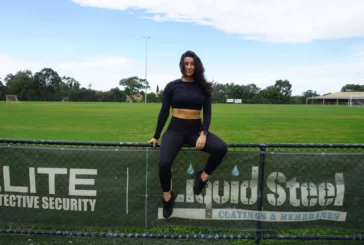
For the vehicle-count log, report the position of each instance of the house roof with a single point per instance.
(340, 95)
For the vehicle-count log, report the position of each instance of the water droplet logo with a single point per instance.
(190, 170)
(235, 171)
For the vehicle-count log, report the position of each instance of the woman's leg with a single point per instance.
(171, 143)
(217, 149)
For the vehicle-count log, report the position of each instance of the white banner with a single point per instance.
(242, 214)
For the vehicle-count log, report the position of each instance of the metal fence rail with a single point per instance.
(182, 236)
(258, 187)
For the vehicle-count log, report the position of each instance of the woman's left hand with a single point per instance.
(201, 141)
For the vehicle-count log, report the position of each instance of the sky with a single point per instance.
(316, 45)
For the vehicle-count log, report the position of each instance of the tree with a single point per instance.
(152, 97)
(310, 93)
(2, 90)
(82, 94)
(8, 78)
(302, 99)
(283, 91)
(22, 84)
(352, 88)
(159, 97)
(157, 89)
(71, 82)
(134, 85)
(219, 93)
(279, 93)
(117, 95)
(248, 92)
(268, 95)
(49, 84)
(67, 85)
(252, 90)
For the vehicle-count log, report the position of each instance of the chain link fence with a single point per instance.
(257, 187)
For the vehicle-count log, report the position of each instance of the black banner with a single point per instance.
(109, 187)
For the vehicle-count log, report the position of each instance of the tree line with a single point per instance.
(48, 85)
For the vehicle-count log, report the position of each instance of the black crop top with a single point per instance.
(184, 95)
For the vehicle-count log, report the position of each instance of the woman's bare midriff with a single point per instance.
(186, 113)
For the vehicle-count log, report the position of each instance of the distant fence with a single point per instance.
(258, 187)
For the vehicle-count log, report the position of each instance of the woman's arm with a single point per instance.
(206, 115)
(164, 111)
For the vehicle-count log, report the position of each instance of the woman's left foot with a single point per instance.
(168, 205)
(199, 184)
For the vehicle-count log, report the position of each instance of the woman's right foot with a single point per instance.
(168, 205)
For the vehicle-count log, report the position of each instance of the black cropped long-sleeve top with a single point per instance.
(184, 95)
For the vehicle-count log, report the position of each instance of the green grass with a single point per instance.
(123, 122)
(52, 239)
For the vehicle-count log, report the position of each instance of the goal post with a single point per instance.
(356, 100)
(11, 99)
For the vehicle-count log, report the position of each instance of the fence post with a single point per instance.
(260, 191)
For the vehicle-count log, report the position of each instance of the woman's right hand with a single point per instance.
(153, 141)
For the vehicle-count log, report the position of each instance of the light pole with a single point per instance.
(146, 63)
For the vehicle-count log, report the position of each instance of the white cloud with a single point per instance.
(268, 20)
(97, 62)
(322, 78)
(12, 65)
(160, 79)
(104, 72)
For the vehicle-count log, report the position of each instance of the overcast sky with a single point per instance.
(316, 45)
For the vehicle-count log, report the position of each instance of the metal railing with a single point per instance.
(258, 188)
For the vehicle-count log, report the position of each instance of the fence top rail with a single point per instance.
(141, 144)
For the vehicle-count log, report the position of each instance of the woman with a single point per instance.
(187, 96)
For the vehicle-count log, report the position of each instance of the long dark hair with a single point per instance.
(198, 74)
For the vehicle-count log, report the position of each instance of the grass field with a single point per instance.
(122, 122)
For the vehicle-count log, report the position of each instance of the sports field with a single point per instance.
(124, 122)
(235, 123)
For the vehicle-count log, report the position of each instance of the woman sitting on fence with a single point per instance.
(187, 96)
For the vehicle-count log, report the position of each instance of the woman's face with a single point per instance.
(189, 66)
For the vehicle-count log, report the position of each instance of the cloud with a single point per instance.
(321, 78)
(97, 62)
(104, 73)
(289, 21)
(12, 65)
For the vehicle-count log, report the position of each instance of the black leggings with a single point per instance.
(186, 131)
